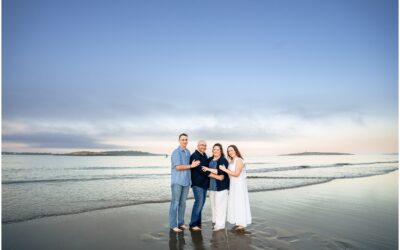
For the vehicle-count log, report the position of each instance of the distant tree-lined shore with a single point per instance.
(90, 153)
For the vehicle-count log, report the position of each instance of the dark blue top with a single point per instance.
(224, 184)
(200, 178)
(213, 182)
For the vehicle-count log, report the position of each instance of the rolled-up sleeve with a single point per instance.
(176, 159)
(226, 164)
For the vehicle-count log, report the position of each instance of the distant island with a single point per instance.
(24, 153)
(91, 153)
(316, 153)
(113, 153)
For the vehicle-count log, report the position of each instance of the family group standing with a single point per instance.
(225, 179)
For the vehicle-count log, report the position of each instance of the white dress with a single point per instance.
(238, 199)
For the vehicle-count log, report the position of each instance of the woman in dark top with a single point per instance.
(218, 188)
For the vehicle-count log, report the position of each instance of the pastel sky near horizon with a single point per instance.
(270, 76)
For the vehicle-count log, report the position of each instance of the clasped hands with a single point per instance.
(218, 177)
(222, 167)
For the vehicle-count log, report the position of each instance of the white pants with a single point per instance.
(219, 203)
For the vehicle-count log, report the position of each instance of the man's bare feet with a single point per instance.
(176, 230)
(183, 227)
(196, 228)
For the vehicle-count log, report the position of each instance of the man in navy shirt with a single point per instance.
(200, 184)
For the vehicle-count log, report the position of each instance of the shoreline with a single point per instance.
(357, 213)
(191, 198)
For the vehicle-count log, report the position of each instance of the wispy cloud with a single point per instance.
(56, 140)
(278, 127)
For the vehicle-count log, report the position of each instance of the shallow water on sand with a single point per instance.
(358, 213)
(39, 186)
(344, 214)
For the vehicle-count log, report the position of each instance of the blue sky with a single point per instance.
(270, 76)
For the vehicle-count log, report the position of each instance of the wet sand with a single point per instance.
(360, 213)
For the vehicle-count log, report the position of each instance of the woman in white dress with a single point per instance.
(238, 200)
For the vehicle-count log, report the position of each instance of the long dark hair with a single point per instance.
(238, 154)
(220, 148)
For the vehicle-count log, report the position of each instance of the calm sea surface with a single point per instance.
(45, 185)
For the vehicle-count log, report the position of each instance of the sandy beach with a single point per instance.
(353, 213)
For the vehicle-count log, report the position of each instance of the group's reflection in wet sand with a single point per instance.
(197, 240)
(223, 239)
(176, 240)
(230, 239)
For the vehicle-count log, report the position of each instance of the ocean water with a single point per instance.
(44, 185)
